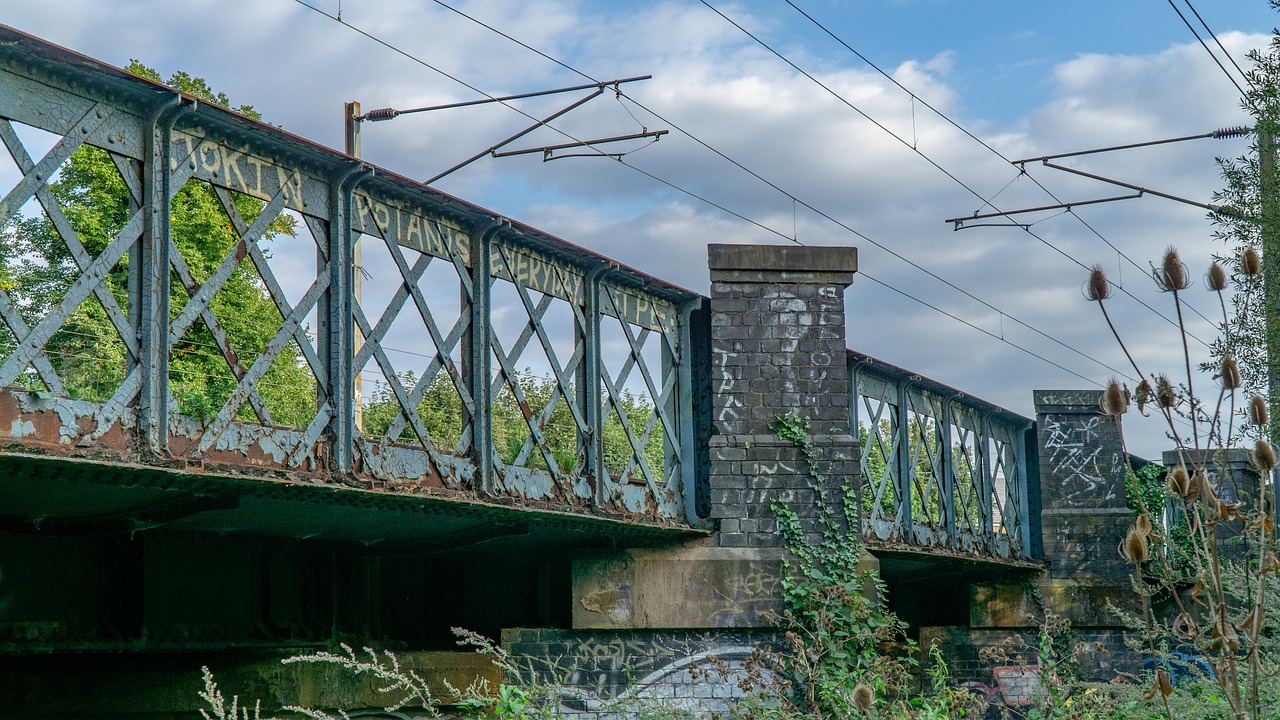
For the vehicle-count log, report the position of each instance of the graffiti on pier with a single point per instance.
(1075, 455)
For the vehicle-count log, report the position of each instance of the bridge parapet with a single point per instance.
(139, 346)
(941, 469)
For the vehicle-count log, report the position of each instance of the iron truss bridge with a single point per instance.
(464, 314)
(942, 470)
(419, 347)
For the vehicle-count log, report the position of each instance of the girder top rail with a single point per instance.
(940, 469)
(246, 298)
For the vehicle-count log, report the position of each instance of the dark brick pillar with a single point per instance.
(1235, 480)
(778, 347)
(1082, 475)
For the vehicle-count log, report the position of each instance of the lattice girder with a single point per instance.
(159, 141)
(944, 456)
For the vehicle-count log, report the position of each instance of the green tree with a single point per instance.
(1252, 222)
(926, 495)
(37, 267)
(440, 412)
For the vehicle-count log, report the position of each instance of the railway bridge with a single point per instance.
(482, 426)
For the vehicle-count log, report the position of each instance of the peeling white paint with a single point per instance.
(22, 428)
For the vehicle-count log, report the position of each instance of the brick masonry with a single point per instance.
(1235, 480)
(972, 654)
(1084, 517)
(778, 348)
(602, 675)
(1082, 474)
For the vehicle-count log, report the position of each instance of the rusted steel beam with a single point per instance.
(928, 418)
(159, 139)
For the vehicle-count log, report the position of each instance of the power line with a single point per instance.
(789, 195)
(718, 206)
(1205, 45)
(981, 330)
(473, 88)
(842, 99)
(1213, 35)
(997, 153)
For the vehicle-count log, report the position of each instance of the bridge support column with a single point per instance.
(1083, 518)
(1235, 479)
(1082, 476)
(777, 349)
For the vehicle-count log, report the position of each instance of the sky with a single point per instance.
(789, 138)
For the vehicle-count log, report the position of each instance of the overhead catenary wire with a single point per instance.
(1021, 169)
(705, 200)
(1218, 42)
(795, 200)
(986, 203)
(1025, 227)
(517, 110)
(1243, 95)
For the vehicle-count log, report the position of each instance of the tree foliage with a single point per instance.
(1247, 182)
(87, 351)
(440, 412)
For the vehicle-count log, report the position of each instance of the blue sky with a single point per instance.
(1004, 52)
(1028, 78)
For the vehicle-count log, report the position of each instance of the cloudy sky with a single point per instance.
(858, 162)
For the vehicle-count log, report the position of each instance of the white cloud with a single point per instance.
(298, 68)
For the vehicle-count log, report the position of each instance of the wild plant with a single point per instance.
(1219, 598)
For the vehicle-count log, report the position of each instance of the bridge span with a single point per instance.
(481, 296)
(483, 425)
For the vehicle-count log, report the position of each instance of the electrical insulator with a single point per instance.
(380, 114)
(1231, 132)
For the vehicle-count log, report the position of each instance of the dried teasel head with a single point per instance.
(1114, 400)
(1229, 374)
(1270, 563)
(1135, 549)
(1258, 411)
(1264, 457)
(863, 697)
(1165, 396)
(1216, 279)
(1179, 481)
(1142, 524)
(1250, 262)
(1097, 288)
(1200, 485)
(1171, 276)
(1143, 394)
